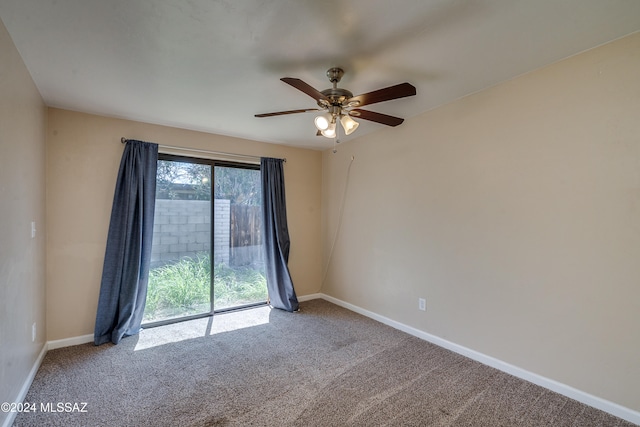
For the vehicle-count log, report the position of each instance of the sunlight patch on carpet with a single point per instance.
(198, 328)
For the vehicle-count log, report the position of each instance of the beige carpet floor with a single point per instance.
(323, 366)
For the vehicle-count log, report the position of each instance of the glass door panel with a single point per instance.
(180, 273)
(239, 278)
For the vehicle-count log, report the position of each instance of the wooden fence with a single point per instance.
(246, 226)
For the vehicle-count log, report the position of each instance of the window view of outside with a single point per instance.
(186, 255)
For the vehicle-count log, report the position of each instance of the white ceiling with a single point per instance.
(210, 65)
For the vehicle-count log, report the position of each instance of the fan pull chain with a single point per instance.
(336, 140)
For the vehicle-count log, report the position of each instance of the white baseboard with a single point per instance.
(68, 342)
(26, 385)
(310, 297)
(568, 391)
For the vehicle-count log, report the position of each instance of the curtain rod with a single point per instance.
(195, 150)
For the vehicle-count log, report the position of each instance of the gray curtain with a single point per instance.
(125, 273)
(276, 236)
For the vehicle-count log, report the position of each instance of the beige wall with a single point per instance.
(83, 157)
(516, 213)
(22, 198)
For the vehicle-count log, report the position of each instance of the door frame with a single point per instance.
(212, 310)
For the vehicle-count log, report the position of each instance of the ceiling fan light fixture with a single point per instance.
(323, 121)
(330, 132)
(348, 124)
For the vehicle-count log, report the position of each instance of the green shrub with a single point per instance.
(183, 288)
(237, 286)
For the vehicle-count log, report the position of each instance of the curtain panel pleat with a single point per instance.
(282, 294)
(125, 272)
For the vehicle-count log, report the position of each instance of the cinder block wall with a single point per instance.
(182, 228)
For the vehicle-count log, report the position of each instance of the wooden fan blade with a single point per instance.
(376, 117)
(392, 92)
(282, 113)
(303, 87)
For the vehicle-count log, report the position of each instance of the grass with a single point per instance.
(183, 288)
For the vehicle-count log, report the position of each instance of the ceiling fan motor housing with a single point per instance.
(336, 96)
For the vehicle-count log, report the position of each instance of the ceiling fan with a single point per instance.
(340, 104)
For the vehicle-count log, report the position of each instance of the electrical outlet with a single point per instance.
(33, 332)
(33, 229)
(422, 304)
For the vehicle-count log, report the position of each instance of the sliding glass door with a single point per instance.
(206, 253)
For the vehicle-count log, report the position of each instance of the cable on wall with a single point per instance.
(339, 225)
